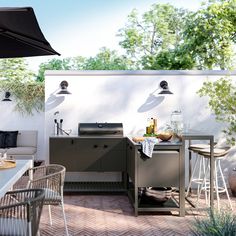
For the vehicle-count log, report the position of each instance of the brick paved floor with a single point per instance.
(113, 215)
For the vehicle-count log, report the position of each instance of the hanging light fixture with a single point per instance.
(63, 85)
(6, 98)
(165, 87)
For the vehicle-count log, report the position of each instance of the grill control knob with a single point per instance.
(95, 146)
(105, 146)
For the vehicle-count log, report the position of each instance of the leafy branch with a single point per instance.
(222, 101)
(28, 95)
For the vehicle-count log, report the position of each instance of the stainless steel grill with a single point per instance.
(100, 129)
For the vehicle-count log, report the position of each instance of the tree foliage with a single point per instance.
(54, 64)
(170, 38)
(210, 35)
(19, 81)
(106, 59)
(157, 33)
(222, 101)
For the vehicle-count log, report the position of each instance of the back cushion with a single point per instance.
(2, 139)
(27, 138)
(10, 138)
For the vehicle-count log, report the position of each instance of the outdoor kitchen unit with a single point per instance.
(99, 147)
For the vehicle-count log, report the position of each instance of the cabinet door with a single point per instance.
(88, 155)
(160, 170)
(75, 154)
(113, 156)
(63, 151)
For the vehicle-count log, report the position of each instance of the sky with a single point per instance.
(82, 27)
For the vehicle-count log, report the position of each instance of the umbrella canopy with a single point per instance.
(20, 34)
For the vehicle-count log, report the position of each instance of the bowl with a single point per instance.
(159, 194)
(164, 136)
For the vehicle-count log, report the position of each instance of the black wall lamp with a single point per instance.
(63, 85)
(6, 98)
(165, 87)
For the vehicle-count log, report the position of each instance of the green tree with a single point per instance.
(210, 35)
(157, 33)
(106, 59)
(54, 64)
(15, 69)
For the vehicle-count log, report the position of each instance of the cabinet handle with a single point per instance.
(130, 147)
(95, 146)
(105, 146)
(72, 141)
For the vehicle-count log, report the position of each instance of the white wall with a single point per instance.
(129, 97)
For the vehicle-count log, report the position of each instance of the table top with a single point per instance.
(8, 177)
(159, 143)
(196, 134)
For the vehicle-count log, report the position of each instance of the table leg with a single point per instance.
(182, 181)
(190, 166)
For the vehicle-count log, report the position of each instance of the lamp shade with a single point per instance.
(63, 85)
(6, 98)
(165, 87)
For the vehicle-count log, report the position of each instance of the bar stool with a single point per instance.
(200, 163)
(219, 154)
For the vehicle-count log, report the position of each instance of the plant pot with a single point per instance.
(232, 181)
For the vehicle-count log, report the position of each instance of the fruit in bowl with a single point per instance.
(164, 136)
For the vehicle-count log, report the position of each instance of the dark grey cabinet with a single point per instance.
(164, 169)
(161, 170)
(88, 154)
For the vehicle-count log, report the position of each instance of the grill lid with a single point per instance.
(111, 129)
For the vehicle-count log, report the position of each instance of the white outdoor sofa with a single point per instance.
(26, 147)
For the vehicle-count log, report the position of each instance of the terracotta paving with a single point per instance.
(111, 215)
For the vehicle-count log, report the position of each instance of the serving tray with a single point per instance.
(7, 164)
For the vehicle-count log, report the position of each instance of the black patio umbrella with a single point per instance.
(20, 34)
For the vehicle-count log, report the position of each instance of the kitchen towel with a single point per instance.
(147, 147)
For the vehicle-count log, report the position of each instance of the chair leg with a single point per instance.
(217, 186)
(64, 216)
(203, 183)
(226, 190)
(205, 163)
(191, 178)
(50, 214)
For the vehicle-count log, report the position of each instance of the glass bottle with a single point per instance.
(177, 121)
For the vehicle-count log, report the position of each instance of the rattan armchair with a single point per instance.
(20, 212)
(51, 179)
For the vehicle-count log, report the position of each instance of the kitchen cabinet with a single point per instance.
(80, 154)
(164, 169)
(88, 154)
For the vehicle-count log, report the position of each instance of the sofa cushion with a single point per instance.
(2, 139)
(21, 151)
(10, 138)
(27, 138)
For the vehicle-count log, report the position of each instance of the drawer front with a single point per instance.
(160, 170)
